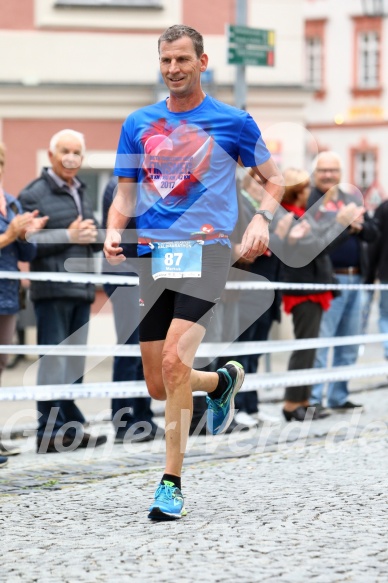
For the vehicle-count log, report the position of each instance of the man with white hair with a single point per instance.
(62, 309)
(349, 265)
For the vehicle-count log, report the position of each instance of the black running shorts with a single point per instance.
(188, 298)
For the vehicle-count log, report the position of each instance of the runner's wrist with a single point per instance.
(265, 214)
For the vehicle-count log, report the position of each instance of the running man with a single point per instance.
(176, 163)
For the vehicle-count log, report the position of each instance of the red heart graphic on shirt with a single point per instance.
(173, 161)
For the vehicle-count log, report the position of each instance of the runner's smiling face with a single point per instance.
(180, 67)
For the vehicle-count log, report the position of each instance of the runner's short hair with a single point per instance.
(178, 31)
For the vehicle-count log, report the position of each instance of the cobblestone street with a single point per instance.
(293, 502)
(194, 240)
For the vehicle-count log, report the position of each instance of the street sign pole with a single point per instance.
(240, 92)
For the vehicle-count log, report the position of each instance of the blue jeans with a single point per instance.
(60, 321)
(383, 319)
(342, 319)
(125, 302)
(366, 303)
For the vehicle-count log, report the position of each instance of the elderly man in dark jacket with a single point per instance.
(62, 309)
(349, 260)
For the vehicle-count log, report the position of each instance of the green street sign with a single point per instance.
(250, 46)
(237, 56)
(245, 34)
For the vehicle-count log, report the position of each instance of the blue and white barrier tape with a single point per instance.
(230, 285)
(138, 388)
(206, 349)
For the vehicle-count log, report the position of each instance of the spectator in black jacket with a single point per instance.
(378, 267)
(349, 261)
(132, 417)
(253, 302)
(62, 309)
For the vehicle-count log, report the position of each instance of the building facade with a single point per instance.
(87, 64)
(346, 52)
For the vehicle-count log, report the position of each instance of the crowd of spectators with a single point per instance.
(320, 235)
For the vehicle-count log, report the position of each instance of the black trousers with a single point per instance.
(306, 319)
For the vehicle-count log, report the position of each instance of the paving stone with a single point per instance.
(256, 506)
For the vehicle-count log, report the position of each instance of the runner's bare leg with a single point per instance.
(169, 375)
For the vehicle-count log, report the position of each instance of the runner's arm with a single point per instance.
(256, 237)
(120, 212)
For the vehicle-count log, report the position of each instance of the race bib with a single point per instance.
(177, 259)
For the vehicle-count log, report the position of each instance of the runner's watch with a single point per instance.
(266, 214)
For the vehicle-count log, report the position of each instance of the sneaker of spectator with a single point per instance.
(8, 450)
(243, 418)
(346, 407)
(320, 411)
(66, 443)
(3, 461)
(235, 427)
(201, 429)
(139, 433)
(265, 418)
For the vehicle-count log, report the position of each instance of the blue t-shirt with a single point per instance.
(184, 164)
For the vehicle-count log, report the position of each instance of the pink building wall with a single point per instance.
(209, 16)
(17, 14)
(24, 137)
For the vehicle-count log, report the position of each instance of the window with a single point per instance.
(105, 14)
(368, 57)
(315, 56)
(112, 3)
(96, 181)
(365, 166)
(367, 66)
(314, 62)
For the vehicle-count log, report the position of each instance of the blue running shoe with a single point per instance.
(3, 460)
(169, 503)
(220, 411)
